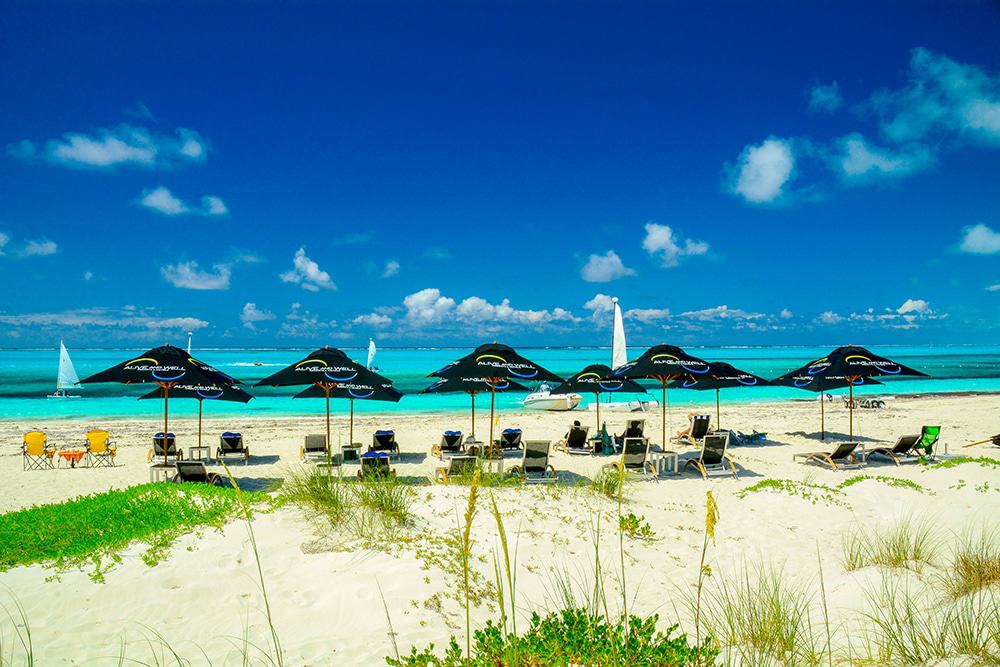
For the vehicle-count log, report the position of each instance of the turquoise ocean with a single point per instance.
(28, 376)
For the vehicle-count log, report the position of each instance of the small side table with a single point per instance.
(200, 453)
(665, 461)
(72, 456)
(352, 452)
(162, 472)
(492, 465)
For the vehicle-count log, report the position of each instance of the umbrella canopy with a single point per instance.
(799, 379)
(663, 363)
(473, 386)
(167, 366)
(598, 379)
(202, 392)
(722, 376)
(354, 391)
(495, 362)
(327, 369)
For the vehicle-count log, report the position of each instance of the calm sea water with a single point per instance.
(27, 376)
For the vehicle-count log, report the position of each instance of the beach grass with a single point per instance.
(975, 564)
(910, 544)
(609, 483)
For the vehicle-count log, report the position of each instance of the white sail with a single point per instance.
(67, 374)
(371, 354)
(619, 355)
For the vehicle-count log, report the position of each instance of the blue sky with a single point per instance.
(444, 173)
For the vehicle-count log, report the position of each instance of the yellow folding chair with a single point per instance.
(99, 449)
(37, 453)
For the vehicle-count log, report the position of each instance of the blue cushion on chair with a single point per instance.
(375, 455)
(385, 433)
(453, 433)
(230, 434)
(160, 435)
(512, 430)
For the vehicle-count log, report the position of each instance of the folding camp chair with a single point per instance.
(36, 452)
(100, 453)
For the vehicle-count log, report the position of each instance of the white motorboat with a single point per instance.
(67, 375)
(627, 406)
(544, 399)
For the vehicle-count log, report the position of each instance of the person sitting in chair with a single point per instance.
(686, 431)
(576, 423)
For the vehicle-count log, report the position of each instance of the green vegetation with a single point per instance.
(909, 544)
(814, 493)
(896, 482)
(608, 482)
(90, 531)
(984, 461)
(636, 528)
(975, 565)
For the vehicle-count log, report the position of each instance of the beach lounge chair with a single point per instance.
(700, 425)
(510, 438)
(841, 457)
(168, 443)
(450, 445)
(535, 466)
(929, 436)
(634, 428)
(458, 466)
(713, 459)
(313, 447)
(576, 441)
(375, 466)
(231, 446)
(384, 441)
(195, 472)
(36, 452)
(99, 449)
(634, 459)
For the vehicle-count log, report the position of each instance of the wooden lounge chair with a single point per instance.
(458, 466)
(36, 451)
(700, 426)
(451, 445)
(99, 450)
(168, 443)
(576, 441)
(634, 459)
(634, 428)
(841, 457)
(375, 466)
(902, 452)
(713, 459)
(535, 466)
(195, 472)
(313, 447)
(510, 438)
(231, 446)
(384, 441)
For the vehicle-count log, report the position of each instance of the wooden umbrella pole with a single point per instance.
(850, 406)
(663, 414)
(493, 396)
(472, 396)
(822, 415)
(351, 432)
(598, 395)
(326, 390)
(200, 402)
(718, 418)
(166, 419)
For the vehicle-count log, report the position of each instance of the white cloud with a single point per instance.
(4, 240)
(300, 323)
(162, 200)
(125, 318)
(39, 248)
(647, 315)
(251, 315)
(662, 241)
(856, 158)
(600, 305)
(428, 306)
(763, 170)
(377, 320)
(187, 275)
(306, 272)
(829, 317)
(477, 309)
(995, 287)
(391, 269)
(88, 276)
(825, 98)
(721, 313)
(980, 240)
(122, 145)
(785, 314)
(605, 268)
(918, 306)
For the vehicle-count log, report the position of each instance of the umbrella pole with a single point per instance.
(718, 419)
(200, 402)
(598, 412)
(663, 413)
(472, 397)
(493, 398)
(166, 420)
(326, 389)
(850, 407)
(351, 432)
(822, 415)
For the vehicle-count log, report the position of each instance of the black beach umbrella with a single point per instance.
(819, 383)
(326, 369)
(202, 392)
(473, 386)
(166, 366)
(722, 376)
(852, 362)
(354, 391)
(598, 379)
(495, 362)
(663, 363)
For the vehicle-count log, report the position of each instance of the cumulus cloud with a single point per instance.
(124, 145)
(306, 273)
(856, 158)
(721, 313)
(129, 319)
(4, 240)
(995, 287)
(88, 276)
(661, 241)
(829, 317)
(162, 200)
(647, 315)
(762, 170)
(980, 240)
(251, 315)
(914, 306)
(825, 98)
(428, 306)
(39, 248)
(187, 275)
(302, 323)
(391, 269)
(376, 320)
(605, 268)
(785, 314)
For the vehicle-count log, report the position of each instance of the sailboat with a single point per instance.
(371, 356)
(67, 374)
(619, 357)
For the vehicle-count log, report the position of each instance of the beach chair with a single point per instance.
(313, 447)
(458, 466)
(634, 459)
(510, 438)
(535, 466)
(713, 459)
(166, 443)
(576, 441)
(99, 450)
(384, 441)
(842, 456)
(375, 466)
(929, 436)
(634, 428)
(195, 472)
(700, 425)
(36, 452)
(450, 445)
(231, 446)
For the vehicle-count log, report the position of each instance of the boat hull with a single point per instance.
(555, 402)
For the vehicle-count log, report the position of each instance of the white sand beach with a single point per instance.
(326, 591)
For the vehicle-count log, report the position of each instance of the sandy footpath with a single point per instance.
(325, 590)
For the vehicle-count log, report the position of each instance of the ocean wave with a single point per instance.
(251, 363)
